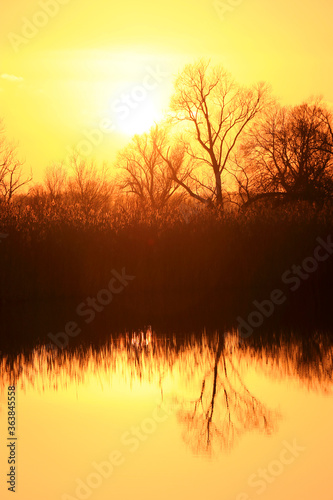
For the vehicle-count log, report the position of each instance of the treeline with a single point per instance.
(211, 206)
(220, 145)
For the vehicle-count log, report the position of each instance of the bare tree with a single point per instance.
(55, 181)
(90, 187)
(215, 112)
(11, 174)
(288, 156)
(145, 172)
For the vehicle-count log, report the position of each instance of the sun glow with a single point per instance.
(63, 67)
(138, 121)
(133, 103)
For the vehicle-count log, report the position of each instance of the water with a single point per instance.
(149, 416)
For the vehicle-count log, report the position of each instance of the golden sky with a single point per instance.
(88, 74)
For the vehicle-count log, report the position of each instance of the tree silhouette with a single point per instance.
(89, 187)
(288, 156)
(55, 181)
(11, 175)
(214, 111)
(145, 172)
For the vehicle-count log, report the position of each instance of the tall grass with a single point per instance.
(57, 252)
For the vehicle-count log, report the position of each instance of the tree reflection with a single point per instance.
(203, 378)
(224, 410)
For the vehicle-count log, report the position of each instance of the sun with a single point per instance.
(136, 117)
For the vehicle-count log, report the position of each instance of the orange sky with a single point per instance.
(77, 73)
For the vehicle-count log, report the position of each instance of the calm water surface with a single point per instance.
(149, 417)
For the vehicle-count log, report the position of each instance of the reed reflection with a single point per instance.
(204, 379)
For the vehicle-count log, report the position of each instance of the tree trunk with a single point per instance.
(219, 197)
